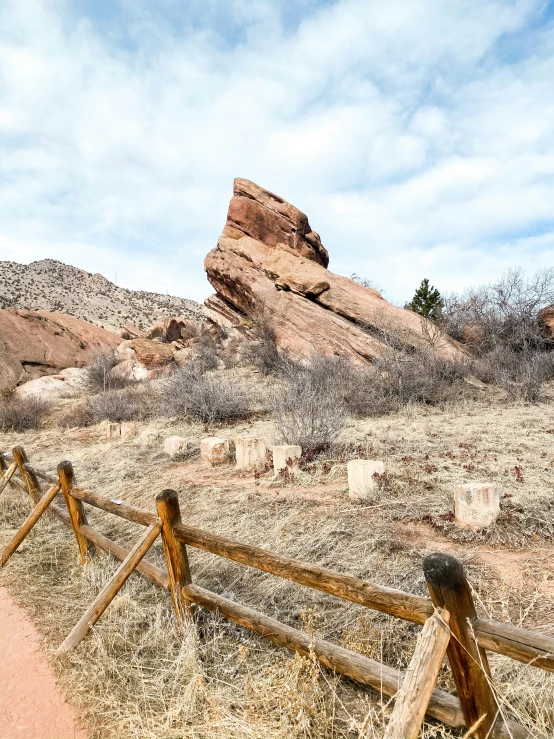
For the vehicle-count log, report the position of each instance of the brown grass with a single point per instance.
(138, 675)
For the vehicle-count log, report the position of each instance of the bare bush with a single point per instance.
(99, 375)
(502, 313)
(205, 354)
(309, 408)
(521, 374)
(263, 352)
(192, 393)
(131, 404)
(22, 413)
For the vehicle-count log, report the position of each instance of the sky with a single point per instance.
(417, 135)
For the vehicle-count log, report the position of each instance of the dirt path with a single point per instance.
(31, 706)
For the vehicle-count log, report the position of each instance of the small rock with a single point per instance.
(113, 430)
(363, 477)
(281, 455)
(174, 445)
(128, 428)
(214, 450)
(250, 452)
(476, 505)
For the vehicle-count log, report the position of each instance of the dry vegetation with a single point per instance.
(137, 675)
(434, 424)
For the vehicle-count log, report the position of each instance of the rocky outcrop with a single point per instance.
(67, 382)
(38, 343)
(282, 275)
(266, 217)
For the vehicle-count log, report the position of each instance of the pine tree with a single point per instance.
(427, 301)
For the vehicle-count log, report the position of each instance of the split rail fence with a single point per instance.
(449, 619)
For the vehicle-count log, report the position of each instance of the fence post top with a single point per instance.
(167, 495)
(440, 568)
(19, 451)
(65, 467)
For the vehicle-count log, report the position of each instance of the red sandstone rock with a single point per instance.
(310, 309)
(38, 343)
(268, 218)
(174, 329)
(152, 354)
(546, 321)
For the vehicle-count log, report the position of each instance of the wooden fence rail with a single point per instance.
(476, 704)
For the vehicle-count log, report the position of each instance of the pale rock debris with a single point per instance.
(128, 428)
(363, 477)
(214, 450)
(281, 455)
(476, 504)
(250, 452)
(174, 445)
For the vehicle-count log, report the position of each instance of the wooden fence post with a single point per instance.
(110, 590)
(29, 522)
(167, 504)
(413, 698)
(6, 472)
(74, 506)
(450, 590)
(33, 486)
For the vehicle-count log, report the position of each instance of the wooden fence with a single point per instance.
(449, 611)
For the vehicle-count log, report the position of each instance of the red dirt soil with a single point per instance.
(31, 706)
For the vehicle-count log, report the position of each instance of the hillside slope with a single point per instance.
(54, 286)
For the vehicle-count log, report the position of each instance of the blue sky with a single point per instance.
(418, 135)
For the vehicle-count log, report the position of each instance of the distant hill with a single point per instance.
(54, 286)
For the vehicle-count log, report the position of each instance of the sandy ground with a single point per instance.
(31, 706)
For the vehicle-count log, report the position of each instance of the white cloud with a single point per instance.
(414, 137)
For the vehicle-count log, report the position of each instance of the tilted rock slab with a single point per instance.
(38, 343)
(268, 262)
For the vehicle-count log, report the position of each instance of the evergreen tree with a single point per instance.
(427, 301)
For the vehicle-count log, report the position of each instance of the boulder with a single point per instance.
(174, 329)
(260, 268)
(151, 354)
(34, 344)
(214, 450)
(67, 382)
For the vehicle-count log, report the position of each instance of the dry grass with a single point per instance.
(138, 675)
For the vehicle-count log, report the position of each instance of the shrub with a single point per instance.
(503, 313)
(99, 375)
(22, 413)
(113, 405)
(309, 407)
(263, 352)
(420, 377)
(205, 353)
(192, 393)
(521, 374)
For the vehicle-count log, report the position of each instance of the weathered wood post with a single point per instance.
(5, 471)
(450, 589)
(75, 507)
(33, 486)
(167, 504)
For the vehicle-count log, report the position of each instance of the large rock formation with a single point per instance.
(269, 263)
(38, 343)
